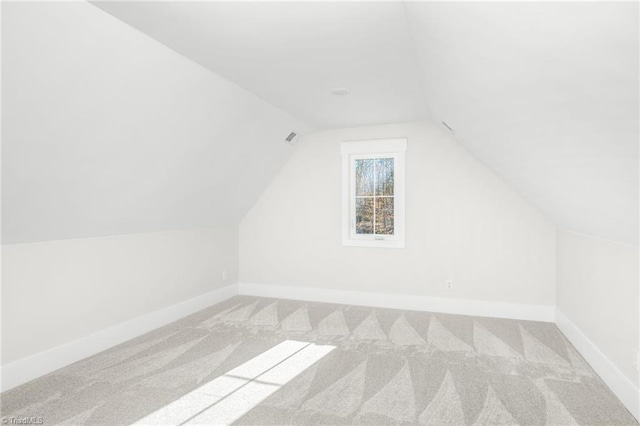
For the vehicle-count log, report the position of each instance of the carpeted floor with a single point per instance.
(268, 361)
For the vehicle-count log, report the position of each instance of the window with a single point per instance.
(373, 193)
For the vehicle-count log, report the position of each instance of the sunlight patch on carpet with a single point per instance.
(228, 397)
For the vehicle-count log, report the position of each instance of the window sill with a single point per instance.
(374, 243)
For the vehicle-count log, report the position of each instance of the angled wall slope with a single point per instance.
(107, 132)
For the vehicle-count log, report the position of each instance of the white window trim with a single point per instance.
(382, 148)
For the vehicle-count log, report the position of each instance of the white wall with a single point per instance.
(597, 291)
(54, 292)
(463, 224)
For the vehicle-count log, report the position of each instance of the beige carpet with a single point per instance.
(266, 361)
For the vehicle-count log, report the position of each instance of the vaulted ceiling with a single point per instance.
(544, 93)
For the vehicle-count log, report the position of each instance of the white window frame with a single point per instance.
(381, 148)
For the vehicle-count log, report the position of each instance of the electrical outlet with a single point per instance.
(449, 284)
(636, 360)
(224, 275)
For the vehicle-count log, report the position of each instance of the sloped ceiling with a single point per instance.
(106, 131)
(544, 93)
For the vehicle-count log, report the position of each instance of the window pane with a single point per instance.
(384, 216)
(364, 177)
(384, 176)
(364, 215)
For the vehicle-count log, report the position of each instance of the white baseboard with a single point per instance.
(34, 366)
(26, 369)
(481, 308)
(626, 391)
